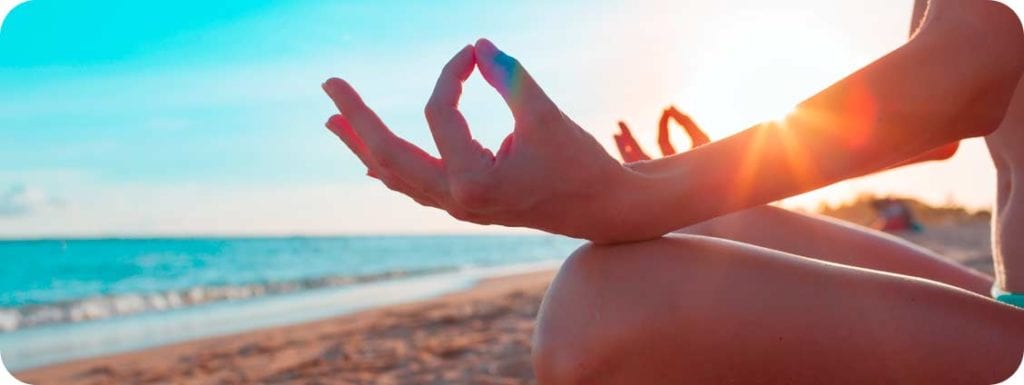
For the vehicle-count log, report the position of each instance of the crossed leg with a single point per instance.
(703, 310)
(831, 240)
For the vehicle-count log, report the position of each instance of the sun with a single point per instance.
(758, 66)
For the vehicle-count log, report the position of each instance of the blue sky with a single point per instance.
(198, 117)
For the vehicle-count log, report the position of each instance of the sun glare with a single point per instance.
(757, 67)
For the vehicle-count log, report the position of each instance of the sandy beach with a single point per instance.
(478, 336)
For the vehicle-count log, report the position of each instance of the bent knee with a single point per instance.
(607, 300)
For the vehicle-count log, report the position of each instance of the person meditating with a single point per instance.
(689, 277)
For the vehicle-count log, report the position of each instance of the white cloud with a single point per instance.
(172, 209)
(21, 200)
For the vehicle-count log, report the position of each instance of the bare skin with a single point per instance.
(631, 151)
(549, 173)
(693, 309)
(699, 310)
(815, 236)
(1006, 146)
(806, 236)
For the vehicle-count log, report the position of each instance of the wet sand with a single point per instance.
(480, 336)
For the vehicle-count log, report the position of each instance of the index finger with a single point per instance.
(359, 115)
(630, 149)
(388, 151)
(448, 126)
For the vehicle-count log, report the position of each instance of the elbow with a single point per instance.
(988, 39)
(988, 30)
(945, 152)
(1008, 32)
(1007, 47)
(1003, 42)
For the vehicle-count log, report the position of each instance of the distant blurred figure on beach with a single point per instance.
(894, 216)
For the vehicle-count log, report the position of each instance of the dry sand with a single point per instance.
(480, 336)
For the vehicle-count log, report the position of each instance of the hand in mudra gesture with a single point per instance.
(631, 151)
(549, 173)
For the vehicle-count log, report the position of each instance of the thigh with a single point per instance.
(840, 242)
(691, 309)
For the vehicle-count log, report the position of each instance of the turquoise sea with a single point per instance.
(68, 299)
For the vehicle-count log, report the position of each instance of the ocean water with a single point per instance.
(61, 300)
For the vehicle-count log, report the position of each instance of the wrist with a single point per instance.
(633, 208)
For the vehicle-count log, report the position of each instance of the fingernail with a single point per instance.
(331, 85)
(332, 130)
(504, 60)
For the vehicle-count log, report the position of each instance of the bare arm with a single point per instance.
(819, 237)
(946, 151)
(901, 105)
(948, 83)
(824, 238)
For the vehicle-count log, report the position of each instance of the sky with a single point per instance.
(129, 118)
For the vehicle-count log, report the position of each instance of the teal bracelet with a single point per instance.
(1006, 297)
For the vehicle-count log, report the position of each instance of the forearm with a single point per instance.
(952, 81)
(941, 153)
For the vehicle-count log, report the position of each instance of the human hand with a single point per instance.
(628, 147)
(631, 150)
(549, 173)
(697, 136)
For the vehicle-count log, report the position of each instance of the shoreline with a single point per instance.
(111, 306)
(55, 344)
(317, 342)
